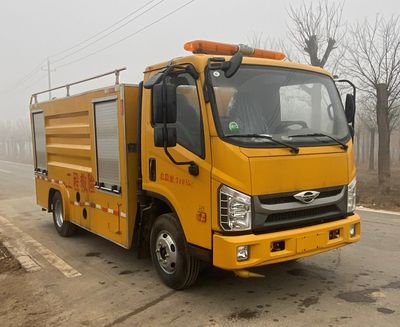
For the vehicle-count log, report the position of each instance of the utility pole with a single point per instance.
(49, 71)
(49, 76)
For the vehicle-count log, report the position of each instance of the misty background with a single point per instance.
(79, 39)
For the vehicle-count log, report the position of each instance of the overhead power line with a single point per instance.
(35, 82)
(128, 36)
(78, 45)
(25, 78)
(20, 87)
(40, 66)
(30, 74)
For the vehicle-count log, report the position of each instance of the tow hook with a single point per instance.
(247, 274)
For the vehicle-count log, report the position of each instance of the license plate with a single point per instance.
(308, 242)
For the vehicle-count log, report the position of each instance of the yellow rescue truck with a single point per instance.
(230, 155)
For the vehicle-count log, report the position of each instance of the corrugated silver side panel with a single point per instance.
(107, 143)
(40, 140)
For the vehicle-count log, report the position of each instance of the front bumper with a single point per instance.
(299, 242)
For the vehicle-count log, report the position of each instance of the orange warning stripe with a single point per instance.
(52, 180)
(84, 204)
(98, 206)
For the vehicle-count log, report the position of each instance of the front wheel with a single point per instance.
(175, 266)
(63, 227)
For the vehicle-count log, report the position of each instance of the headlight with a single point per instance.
(234, 210)
(351, 196)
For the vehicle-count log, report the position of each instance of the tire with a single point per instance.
(63, 227)
(169, 253)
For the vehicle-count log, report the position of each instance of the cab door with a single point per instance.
(187, 193)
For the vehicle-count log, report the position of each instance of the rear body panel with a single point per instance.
(71, 162)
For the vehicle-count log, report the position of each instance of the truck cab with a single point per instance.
(257, 165)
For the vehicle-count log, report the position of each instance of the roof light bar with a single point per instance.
(217, 48)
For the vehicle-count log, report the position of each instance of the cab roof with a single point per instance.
(200, 62)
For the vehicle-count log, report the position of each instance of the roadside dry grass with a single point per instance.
(368, 194)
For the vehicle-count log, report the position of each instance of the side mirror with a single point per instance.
(350, 108)
(164, 98)
(164, 135)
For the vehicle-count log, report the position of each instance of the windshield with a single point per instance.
(289, 105)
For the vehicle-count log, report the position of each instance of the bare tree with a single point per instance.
(374, 60)
(258, 40)
(315, 33)
(367, 114)
(316, 30)
(15, 140)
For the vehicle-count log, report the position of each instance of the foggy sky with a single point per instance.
(31, 31)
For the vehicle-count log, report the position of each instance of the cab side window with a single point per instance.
(189, 128)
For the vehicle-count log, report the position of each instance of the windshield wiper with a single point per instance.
(294, 149)
(343, 145)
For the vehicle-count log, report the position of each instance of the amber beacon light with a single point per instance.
(217, 48)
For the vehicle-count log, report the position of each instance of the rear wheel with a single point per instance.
(175, 266)
(63, 227)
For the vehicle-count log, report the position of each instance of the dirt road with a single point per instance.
(88, 281)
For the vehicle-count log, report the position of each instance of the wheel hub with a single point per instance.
(166, 252)
(58, 213)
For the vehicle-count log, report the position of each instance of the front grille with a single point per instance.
(282, 211)
(288, 197)
(307, 213)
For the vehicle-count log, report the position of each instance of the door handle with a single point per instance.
(152, 169)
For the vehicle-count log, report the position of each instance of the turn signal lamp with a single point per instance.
(224, 49)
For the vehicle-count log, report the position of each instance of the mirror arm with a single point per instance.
(193, 167)
(188, 68)
(354, 96)
(351, 131)
(350, 83)
(155, 79)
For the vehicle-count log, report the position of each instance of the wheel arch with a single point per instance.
(157, 205)
(161, 204)
(52, 192)
(64, 196)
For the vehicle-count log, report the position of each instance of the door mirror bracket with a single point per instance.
(164, 113)
(350, 105)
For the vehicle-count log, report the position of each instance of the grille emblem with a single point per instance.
(306, 196)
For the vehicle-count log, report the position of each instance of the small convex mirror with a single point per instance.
(233, 65)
